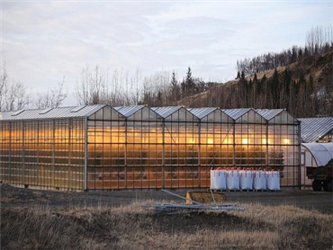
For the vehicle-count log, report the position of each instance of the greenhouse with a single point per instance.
(139, 147)
(317, 129)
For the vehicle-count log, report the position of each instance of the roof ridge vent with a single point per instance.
(45, 111)
(76, 109)
(18, 112)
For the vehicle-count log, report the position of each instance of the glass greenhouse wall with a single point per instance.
(137, 147)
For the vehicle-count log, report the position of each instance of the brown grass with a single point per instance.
(132, 227)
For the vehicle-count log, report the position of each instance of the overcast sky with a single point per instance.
(42, 41)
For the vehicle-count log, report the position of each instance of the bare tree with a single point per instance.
(319, 37)
(4, 84)
(136, 81)
(90, 89)
(51, 98)
(16, 97)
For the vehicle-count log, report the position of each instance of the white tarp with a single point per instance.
(322, 152)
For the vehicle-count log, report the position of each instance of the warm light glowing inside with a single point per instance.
(286, 141)
(210, 141)
(191, 140)
(264, 141)
(245, 141)
(227, 141)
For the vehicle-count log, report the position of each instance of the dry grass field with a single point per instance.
(133, 227)
(130, 226)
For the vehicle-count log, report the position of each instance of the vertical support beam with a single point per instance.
(234, 144)
(10, 151)
(199, 153)
(163, 153)
(69, 171)
(53, 155)
(86, 153)
(299, 155)
(23, 152)
(266, 145)
(125, 153)
(38, 166)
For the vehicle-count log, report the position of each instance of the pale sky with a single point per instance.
(42, 41)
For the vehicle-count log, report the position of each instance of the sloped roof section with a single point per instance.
(166, 111)
(236, 113)
(268, 114)
(201, 112)
(312, 129)
(56, 113)
(127, 111)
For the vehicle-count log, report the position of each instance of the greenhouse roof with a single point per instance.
(127, 111)
(49, 113)
(312, 129)
(201, 112)
(166, 111)
(268, 114)
(236, 113)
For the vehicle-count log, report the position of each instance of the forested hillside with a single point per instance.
(304, 87)
(299, 79)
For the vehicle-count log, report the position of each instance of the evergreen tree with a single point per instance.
(243, 75)
(285, 89)
(275, 89)
(189, 83)
(174, 81)
(175, 90)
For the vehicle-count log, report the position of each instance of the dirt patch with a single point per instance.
(20, 197)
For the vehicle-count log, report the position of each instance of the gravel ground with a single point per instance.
(13, 196)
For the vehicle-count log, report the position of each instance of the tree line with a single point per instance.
(297, 92)
(120, 88)
(299, 97)
(319, 40)
(15, 96)
(98, 85)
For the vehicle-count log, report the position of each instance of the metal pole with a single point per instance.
(10, 152)
(53, 156)
(38, 122)
(86, 153)
(199, 153)
(163, 154)
(299, 155)
(266, 145)
(69, 152)
(125, 156)
(234, 143)
(23, 152)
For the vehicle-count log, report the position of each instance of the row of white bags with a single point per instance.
(244, 179)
